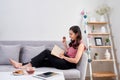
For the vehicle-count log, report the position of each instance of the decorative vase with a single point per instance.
(107, 43)
(92, 19)
(103, 30)
(102, 18)
(107, 54)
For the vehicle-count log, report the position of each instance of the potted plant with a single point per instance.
(96, 56)
(107, 42)
(93, 29)
(102, 10)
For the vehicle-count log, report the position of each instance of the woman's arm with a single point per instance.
(78, 55)
(65, 46)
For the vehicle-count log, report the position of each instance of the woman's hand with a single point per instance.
(62, 56)
(64, 39)
(65, 44)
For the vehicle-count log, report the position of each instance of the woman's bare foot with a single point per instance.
(15, 63)
(27, 65)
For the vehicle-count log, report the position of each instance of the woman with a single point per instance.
(67, 60)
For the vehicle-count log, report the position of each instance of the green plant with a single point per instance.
(93, 28)
(103, 9)
(96, 54)
(107, 40)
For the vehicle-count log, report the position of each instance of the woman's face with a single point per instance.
(72, 35)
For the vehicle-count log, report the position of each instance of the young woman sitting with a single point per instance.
(67, 60)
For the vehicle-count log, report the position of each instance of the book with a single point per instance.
(45, 75)
(56, 51)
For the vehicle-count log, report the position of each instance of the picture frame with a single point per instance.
(98, 41)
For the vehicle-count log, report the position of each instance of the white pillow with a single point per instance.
(9, 51)
(29, 52)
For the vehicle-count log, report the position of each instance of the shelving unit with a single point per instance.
(100, 23)
(100, 46)
(102, 34)
(103, 60)
(91, 60)
(104, 74)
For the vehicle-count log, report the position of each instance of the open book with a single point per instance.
(56, 51)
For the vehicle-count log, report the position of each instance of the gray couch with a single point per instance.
(71, 74)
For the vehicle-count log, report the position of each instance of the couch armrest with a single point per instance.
(82, 66)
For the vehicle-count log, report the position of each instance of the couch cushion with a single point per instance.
(9, 51)
(6, 68)
(29, 52)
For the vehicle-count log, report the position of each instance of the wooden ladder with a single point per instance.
(113, 60)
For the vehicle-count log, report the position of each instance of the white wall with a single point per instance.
(46, 19)
(115, 22)
(40, 19)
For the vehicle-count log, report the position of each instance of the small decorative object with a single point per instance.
(90, 39)
(96, 56)
(83, 13)
(107, 42)
(84, 17)
(89, 60)
(103, 30)
(85, 31)
(93, 29)
(102, 18)
(92, 19)
(107, 54)
(102, 10)
(98, 41)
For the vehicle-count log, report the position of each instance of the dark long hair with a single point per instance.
(75, 43)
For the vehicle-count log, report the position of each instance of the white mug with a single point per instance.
(103, 30)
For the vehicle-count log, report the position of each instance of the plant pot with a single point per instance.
(107, 43)
(96, 57)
